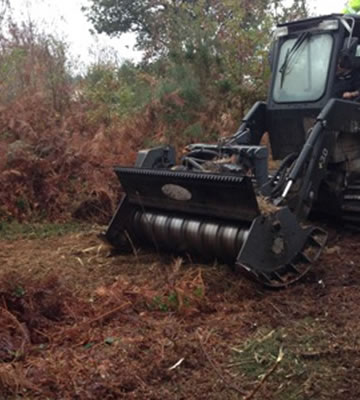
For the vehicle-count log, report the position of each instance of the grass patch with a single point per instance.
(307, 368)
(15, 230)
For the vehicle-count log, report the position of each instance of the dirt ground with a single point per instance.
(79, 323)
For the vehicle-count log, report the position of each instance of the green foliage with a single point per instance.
(19, 291)
(107, 93)
(194, 25)
(176, 301)
(112, 16)
(14, 230)
(165, 303)
(301, 343)
(114, 91)
(200, 52)
(180, 94)
(159, 304)
(33, 63)
(194, 132)
(352, 7)
(21, 203)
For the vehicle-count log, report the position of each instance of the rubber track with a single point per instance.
(351, 206)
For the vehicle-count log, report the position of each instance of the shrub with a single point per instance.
(114, 92)
(32, 62)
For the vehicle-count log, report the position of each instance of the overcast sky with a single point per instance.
(65, 19)
(69, 22)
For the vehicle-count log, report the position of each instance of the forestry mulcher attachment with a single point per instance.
(223, 202)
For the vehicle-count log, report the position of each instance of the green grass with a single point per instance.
(16, 230)
(306, 369)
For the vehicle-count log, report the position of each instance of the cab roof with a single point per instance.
(313, 22)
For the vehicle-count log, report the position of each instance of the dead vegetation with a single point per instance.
(77, 322)
(61, 135)
(54, 171)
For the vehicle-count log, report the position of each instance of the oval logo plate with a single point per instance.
(176, 192)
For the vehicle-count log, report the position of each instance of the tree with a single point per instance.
(4, 6)
(161, 24)
(208, 57)
(352, 7)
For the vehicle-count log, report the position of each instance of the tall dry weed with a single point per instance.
(61, 137)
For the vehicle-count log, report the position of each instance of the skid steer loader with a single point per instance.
(222, 202)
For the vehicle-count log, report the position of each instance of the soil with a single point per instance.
(78, 322)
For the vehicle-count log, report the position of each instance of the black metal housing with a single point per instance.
(233, 210)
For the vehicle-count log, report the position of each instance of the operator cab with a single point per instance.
(304, 61)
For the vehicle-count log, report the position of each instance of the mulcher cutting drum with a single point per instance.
(212, 216)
